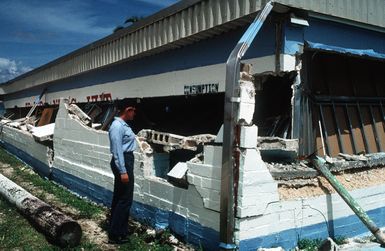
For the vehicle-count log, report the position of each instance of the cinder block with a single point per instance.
(244, 191)
(204, 170)
(251, 222)
(251, 160)
(212, 155)
(260, 230)
(243, 212)
(255, 178)
(164, 191)
(211, 183)
(193, 217)
(104, 140)
(258, 198)
(194, 200)
(209, 193)
(190, 178)
(219, 138)
(246, 112)
(59, 123)
(248, 136)
(166, 205)
(213, 205)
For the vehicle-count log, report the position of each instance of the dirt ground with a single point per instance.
(92, 228)
(320, 186)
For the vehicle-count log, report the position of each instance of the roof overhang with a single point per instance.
(184, 23)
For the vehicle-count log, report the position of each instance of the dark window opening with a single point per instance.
(273, 105)
(182, 115)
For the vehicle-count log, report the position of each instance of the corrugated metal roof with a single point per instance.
(183, 23)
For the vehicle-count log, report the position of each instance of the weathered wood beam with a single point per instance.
(58, 227)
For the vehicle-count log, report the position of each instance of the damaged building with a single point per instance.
(312, 82)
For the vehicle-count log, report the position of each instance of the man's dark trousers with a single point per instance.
(122, 198)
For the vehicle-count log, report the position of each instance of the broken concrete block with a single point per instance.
(248, 137)
(204, 170)
(173, 142)
(210, 204)
(212, 155)
(247, 102)
(278, 149)
(219, 138)
(250, 160)
(211, 183)
(246, 113)
(178, 171)
(247, 191)
(82, 116)
(43, 133)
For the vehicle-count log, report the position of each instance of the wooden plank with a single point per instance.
(46, 116)
(356, 128)
(57, 226)
(344, 129)
(332, 136)
(375, 130)
(350, 127)
(380, 125)
(324, 131)
(368, 129)
(316, 130)
(341, 143)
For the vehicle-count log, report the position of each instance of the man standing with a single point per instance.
(122, 146)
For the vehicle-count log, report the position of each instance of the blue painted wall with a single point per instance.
(207, 52)
(332, 34)
(349, 226)
(191, 231)
(41, 168)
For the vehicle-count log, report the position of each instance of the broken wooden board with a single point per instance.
(46, 117)
(58, 227)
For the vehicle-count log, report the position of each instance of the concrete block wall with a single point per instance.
(82, 163)
(263, 220)
(23, 145)
(81, 152)
(256, 186)
(207, 179)
(285, 222)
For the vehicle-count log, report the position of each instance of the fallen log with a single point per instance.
(58, 227)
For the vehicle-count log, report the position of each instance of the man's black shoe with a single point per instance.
(117, 240)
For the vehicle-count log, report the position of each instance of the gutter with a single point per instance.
(230, 160)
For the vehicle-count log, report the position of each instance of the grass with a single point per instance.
(86, 209)
(139, 243)
(314, 244)
(16, 233)
(309, 244)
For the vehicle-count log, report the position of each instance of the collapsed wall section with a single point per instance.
(82, 163)
(284, 223)
(81, 153)
(22, 144)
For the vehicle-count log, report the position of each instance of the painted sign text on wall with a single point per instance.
(201, 89)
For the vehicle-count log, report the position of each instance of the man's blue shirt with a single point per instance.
(122, 139)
